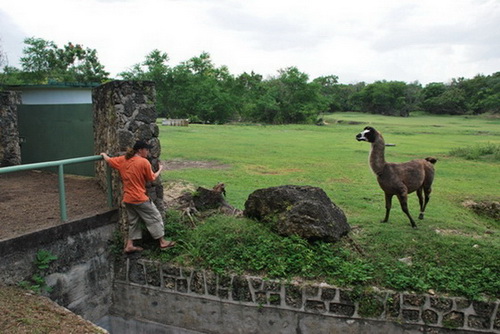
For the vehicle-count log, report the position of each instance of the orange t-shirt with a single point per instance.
(135, 172)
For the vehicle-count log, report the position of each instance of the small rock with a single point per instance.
(406, 260)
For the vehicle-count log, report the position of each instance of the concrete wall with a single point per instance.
(81, 277)
(205, 302)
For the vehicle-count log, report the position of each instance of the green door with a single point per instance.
(55, 132)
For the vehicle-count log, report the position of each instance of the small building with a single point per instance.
(56, 122)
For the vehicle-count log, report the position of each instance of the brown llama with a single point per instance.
(399, 179)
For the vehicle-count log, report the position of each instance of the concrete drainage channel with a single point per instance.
(130, 294)
(117, 325)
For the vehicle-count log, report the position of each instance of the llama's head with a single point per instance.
(369, 134)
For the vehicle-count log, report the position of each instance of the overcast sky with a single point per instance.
(357, 40)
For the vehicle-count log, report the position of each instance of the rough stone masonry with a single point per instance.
(124, 111)
(10, 150)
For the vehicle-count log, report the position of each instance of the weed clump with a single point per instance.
(487, 151)
(226, 244)
(42, 262)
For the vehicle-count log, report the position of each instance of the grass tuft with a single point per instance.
(487, 151)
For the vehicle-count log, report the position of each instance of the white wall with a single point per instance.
(57, 96)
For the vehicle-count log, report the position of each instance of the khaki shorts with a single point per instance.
(149, 214)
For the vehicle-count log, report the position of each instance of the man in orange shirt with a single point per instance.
(135, 170)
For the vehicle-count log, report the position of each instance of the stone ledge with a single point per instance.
(321, 299)
(40, 238)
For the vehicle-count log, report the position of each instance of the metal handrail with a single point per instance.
(60, 164)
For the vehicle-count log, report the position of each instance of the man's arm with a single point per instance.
(158, 171)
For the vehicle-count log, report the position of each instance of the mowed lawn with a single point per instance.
(329, 157)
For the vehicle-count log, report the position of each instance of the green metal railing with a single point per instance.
(60, 164)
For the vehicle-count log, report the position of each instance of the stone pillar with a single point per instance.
(124, 111)
(10, 151)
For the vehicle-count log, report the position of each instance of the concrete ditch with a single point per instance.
(130, 294)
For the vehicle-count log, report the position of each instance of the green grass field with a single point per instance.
(454, 250)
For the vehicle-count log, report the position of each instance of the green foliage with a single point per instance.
(294, 99)
(478, 152)
(43, 259)
(228, 244)
(370, 306)
(388, 98)
(451, 101)
(478, 95)
(45, 62)
(37, 283)
(154, 68)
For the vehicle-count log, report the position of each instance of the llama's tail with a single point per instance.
(431, 160)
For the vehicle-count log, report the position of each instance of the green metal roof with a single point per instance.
(55, 85)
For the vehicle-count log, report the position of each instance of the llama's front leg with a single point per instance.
(388, 204)
(403, 200)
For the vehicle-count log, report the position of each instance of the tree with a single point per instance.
(291, 98)
(3, 57)
(451, 101)
(251, 91)
(154, 68)
(43, 61)
(331, 91)
(480, 92)
(3, 64)
(198, 90)
(388, 98)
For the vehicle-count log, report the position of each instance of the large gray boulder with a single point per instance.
(298, 210)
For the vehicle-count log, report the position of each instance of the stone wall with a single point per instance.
(124, 111)
(203, 301)
(10, 151)
(81, 277)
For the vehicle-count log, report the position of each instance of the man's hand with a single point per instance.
(105, 156)
(160, 168)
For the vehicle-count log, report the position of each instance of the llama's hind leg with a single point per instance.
(403, 200)
(388, 204)
(421, 202)
(427, 193)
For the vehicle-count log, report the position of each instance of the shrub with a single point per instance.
(479, 151)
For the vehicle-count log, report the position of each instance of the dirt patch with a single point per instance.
(184, 164)
(485, 208)
(23, 312)
(29, 201)
(263, 170)
(173, 190)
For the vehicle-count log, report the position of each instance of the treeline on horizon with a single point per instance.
(198, 90)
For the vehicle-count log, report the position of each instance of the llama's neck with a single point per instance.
(377, 155)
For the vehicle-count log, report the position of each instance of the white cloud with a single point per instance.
(358, 40)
